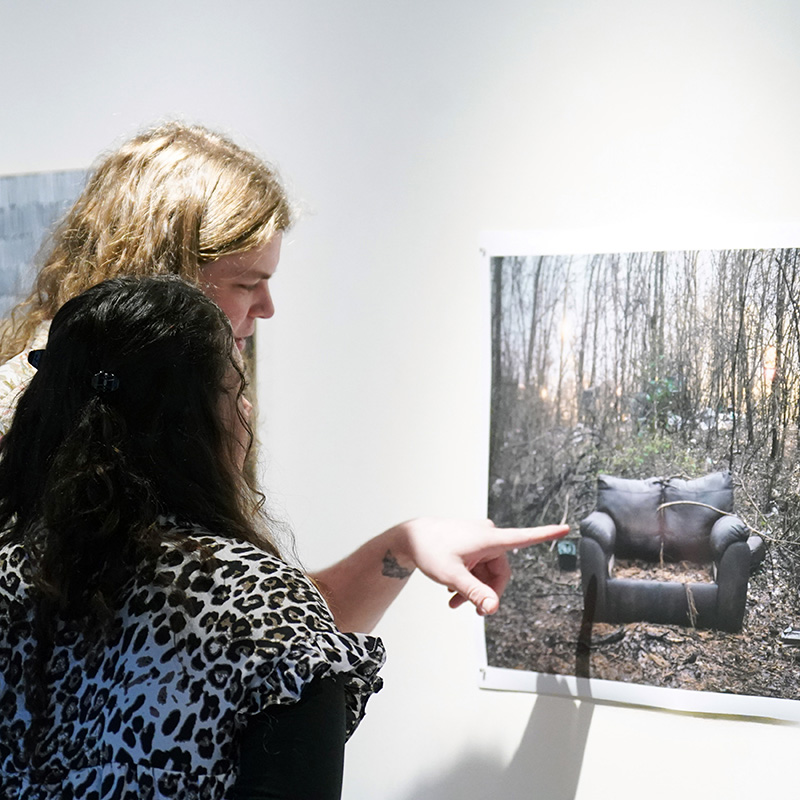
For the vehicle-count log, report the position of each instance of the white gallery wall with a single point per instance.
(404, 130)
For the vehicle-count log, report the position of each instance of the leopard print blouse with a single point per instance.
(193, 653)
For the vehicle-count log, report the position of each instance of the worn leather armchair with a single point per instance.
(629, 522)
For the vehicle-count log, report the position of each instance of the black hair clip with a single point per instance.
(105, 382)
(35, 358)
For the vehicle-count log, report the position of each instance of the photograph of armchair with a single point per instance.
(667, 520)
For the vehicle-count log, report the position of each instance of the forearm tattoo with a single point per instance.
(391, 569)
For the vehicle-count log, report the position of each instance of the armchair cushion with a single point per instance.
(687, 525)
(633, 505)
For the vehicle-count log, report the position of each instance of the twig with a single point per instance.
(752, 502)
(713, 508)
(566, 510)
(563, 520)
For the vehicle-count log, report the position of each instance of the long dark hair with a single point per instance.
(121, 425)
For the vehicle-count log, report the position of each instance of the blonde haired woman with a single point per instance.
(177, 199)
(184, 200)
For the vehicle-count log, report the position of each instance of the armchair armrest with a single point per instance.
(725, 532)
(600, 527)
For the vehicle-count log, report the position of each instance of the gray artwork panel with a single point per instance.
(30, 206)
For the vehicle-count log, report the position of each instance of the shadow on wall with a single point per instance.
(547, 763)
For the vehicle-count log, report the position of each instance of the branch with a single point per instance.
(566, 510)
(713, 508)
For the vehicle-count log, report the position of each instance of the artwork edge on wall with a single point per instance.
(656, 697)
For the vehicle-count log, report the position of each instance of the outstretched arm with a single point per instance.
(469, 557)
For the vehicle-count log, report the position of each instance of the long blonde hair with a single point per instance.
(170, 200)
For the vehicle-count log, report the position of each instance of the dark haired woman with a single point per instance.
(153, 643)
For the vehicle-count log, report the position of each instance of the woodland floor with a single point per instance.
(538, 623)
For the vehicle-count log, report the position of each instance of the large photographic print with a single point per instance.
(649, 398)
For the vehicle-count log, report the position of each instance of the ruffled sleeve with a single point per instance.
(353, 658)
(281, 636)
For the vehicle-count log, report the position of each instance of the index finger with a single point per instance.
(511, 538)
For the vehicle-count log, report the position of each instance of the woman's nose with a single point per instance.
(263, 307)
